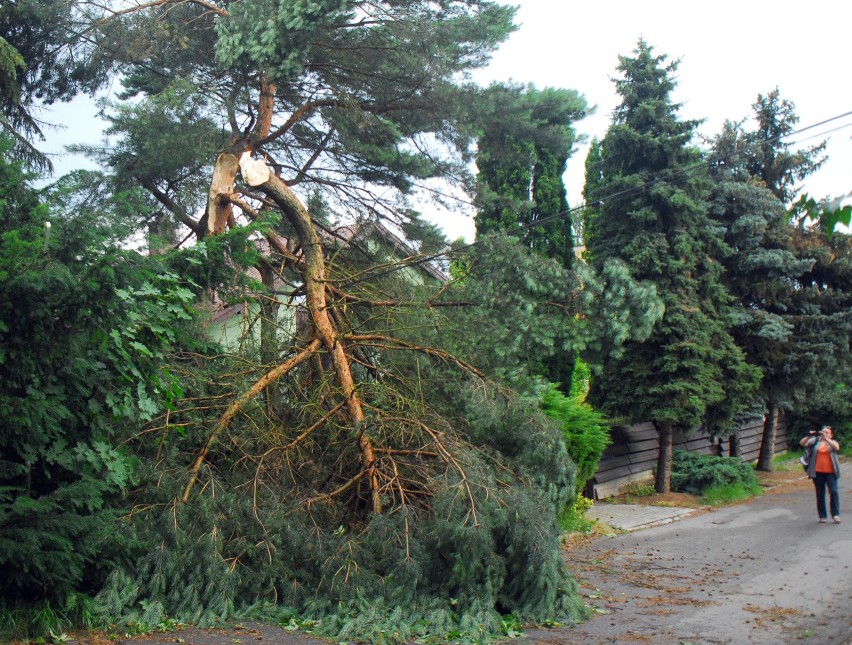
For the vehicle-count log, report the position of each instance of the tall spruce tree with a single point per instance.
(755, 174)
(649, 210)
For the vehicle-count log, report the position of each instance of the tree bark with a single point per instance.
(767, 442)
(664, 457)
(734, 444)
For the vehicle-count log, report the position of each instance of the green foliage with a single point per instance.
(528, 314)
(176, 122)
(523, 315)
(697, 474)
(580, 381)
(833, 409)
(367, 96)
(767, 154)
(573, 518)
(40, 620)
(821, 357)
(10, 62)
(586, 431)
(79, 358)
(617, 309)
(282, 42)
(756, 174)
(449, 566)
(828, 215)
(377, 103)
(527, 138)
(38, 64)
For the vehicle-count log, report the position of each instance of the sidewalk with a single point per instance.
(632, 517)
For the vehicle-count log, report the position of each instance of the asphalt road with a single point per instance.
(765, 572)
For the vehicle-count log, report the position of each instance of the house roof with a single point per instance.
(363, 230)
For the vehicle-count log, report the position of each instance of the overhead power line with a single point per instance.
(614, 196)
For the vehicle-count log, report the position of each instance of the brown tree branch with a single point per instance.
(258, 175)
(388, 342)
(450, 459)
(350, 299)
(170, 204)
(312, 159)
(235, 407)
(338, 491)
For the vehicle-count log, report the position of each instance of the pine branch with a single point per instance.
(389, 342)
(238, 405)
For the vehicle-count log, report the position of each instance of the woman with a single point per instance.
(824, 469)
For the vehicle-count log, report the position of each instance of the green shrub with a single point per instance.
(573, 518)
(585, 430)
(695, 473)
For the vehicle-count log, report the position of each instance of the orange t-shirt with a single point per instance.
(823, 459)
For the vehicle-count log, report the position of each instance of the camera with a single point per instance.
(813, 433)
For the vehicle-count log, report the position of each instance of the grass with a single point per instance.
(573, 518)
(639, 490)
(730, 493)
(34, 622)
(790, 455)
(43, 622)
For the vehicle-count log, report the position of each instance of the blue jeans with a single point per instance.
(820, 482)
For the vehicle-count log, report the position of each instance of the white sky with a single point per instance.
(730, 52)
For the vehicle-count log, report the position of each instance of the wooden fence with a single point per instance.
(632, 456)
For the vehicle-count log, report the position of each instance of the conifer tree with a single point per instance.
(522, 154)
(821, 356)
(767, 153)
(649, 211)
(84, 324)
(756, 173)
(521, 159)
(42, 59)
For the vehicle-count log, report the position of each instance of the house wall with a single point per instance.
(632, 456)
(236, 326)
